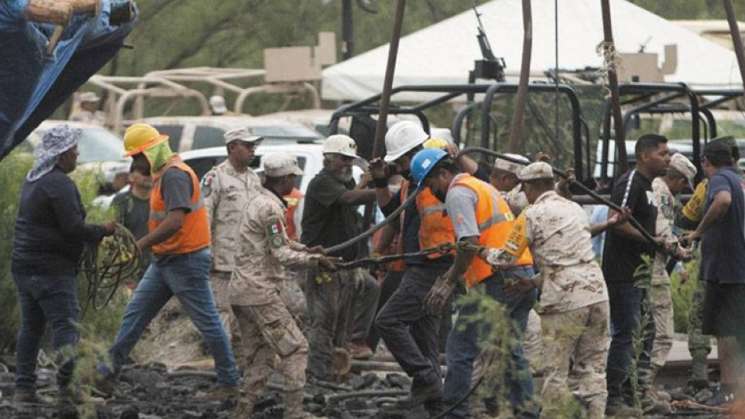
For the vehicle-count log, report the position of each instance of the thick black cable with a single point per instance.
(341, 246)
(106, 265)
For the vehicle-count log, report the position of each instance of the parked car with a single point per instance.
(197, 132)
(100, 149)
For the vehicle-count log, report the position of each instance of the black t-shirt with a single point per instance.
(621, 255)
(327, 222)
(177, 189)
(723, 243)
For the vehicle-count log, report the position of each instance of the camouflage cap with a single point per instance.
(280, 164)
(241, 134)
(682, 165)
(535, 171)
(511, 166)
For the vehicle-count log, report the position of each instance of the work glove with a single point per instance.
(438, 296)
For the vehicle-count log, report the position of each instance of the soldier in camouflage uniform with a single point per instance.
(227, 189)
(680, 174)
(574, 299)
(267, 328)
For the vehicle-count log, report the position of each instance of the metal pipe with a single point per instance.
(390, 69)
(518, 116)
(736, 38)
(610, 52)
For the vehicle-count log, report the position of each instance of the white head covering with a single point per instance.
(55, 142)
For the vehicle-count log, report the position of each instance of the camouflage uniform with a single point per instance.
(660, 293)
(699, 345)
(574, 302)
(267, 327)
(226, 192)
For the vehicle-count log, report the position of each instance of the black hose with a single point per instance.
(341, 246)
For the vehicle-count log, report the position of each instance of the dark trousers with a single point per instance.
(330, 312)
(389, 286)
(625, 315)
(408, 332)
(46, 299)
(364, 306)
(463, 347)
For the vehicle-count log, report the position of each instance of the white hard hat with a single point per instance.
(401, 138)
(217, 103)
(340, 144)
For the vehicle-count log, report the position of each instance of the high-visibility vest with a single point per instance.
(495, 221)
(436, 228)
(397, 245)
(194, 233)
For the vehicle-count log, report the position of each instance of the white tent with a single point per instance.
(444, 52)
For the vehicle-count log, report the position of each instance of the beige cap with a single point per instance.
(88, 97)
(535, 171)
(340, 144)
(510, 166)
(682, 165)
(280, 164)
(241, 134)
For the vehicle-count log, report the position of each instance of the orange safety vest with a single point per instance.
(292, 199)
(194, 234)
(436, 228)
(495, 221)
(397, 245)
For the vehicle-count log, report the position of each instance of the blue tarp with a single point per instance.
(33, 83)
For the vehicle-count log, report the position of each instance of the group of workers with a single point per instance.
(474, 237)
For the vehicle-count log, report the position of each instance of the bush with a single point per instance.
(683, 286)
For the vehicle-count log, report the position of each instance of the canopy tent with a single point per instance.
(33, 82)
(445, 52)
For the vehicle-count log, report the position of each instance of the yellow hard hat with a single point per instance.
(140, 137)
(435, 143)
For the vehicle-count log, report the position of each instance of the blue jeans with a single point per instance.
(463, 348)
(187, 277)
(625, 316)
(52, 299)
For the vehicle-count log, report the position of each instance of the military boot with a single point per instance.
(699, 372)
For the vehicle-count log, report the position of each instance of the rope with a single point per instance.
(443, 248)
(105, 266)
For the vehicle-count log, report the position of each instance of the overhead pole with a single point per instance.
(390, 69)
(347, 30)
(609, 52)
(518, 115)
(736, 38)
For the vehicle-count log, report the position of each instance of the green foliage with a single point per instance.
(683, 286)
(12, 172)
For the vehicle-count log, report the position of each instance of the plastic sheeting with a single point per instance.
(33, 83)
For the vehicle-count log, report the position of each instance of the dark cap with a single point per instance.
(718, 152)
(730, 142)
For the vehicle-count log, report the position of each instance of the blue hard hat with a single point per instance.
(423, 163)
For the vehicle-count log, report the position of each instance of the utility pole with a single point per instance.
(347, 30)
(609, 51)
(522, 87)
(736, 38)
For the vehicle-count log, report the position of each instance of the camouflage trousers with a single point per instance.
(220, 282)
(533, 343)
(268, 332)
(661, 301)
(575, 348)
(699, 345)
